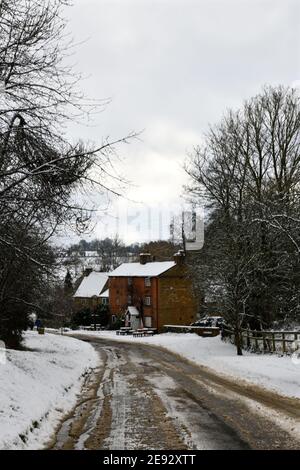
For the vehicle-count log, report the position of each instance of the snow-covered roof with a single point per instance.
(105, 293)
(91, 253)
(144, 270)
(133, 311)
(92, 285)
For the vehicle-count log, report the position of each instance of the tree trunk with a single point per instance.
(238, 343)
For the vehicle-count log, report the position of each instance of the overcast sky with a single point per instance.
(172, 67)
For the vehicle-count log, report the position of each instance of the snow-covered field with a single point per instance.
(279, 374)
(38, 386)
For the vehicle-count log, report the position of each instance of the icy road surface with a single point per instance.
(144, 397)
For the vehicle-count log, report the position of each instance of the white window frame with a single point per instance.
(148, 300)
(147, 281)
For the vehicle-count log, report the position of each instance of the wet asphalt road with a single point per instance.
(143, 397)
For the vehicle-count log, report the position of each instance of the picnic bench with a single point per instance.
(93, 327)
(86, 328)
(125, 330)
(144, 332)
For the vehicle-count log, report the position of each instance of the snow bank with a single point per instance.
(279, 374)
(38, 386)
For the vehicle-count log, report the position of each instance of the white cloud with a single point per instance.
(171, 68)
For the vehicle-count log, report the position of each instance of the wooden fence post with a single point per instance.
(273, 342)
(256, 341)
(248, 339)
(264, 341)
(283, 343)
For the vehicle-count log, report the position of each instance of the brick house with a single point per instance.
(92, 291)
(152, 294)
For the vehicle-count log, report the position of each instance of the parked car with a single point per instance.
(209, 322)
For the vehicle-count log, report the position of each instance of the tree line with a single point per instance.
(41, 171)
(247, 175)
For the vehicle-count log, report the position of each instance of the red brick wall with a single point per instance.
(119, 289)
(176, 304)
(172, 300)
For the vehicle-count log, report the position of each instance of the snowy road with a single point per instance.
(142, 397)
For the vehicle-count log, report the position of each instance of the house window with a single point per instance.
(104, 301)
(113, 318)
(117, 301)
(148, 281)
(130, 281)
(129, 300)
(148, 300)
(148, 322)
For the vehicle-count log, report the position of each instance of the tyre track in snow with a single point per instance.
(143, 397)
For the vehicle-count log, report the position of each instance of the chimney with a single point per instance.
(145, 258)
(179, 257)
(87, 272)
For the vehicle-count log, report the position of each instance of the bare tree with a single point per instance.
(248, 177)
(41, 172)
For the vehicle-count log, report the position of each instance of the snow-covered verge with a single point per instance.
(38, 386)
(279, 374)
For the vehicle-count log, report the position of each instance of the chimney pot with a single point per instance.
(179, 257)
